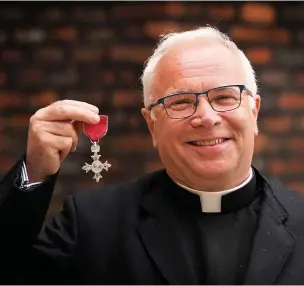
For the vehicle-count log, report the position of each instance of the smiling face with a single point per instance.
(184, 144)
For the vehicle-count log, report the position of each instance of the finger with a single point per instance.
(65, 151)
(56, 144)
(81, 104)
(63, 144)
(60, 128)
(65, 112)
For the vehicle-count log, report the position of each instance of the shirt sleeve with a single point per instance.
(24, 178)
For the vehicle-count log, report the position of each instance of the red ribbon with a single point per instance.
(96, 131)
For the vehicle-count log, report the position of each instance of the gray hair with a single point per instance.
(206, 33)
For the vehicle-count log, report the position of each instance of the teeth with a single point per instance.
(208, 143)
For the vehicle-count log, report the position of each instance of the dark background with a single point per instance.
(95, 52)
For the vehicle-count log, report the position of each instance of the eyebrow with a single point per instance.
(182, 91)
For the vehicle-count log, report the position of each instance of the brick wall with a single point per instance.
(95, 52)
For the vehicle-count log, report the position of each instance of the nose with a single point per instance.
(205, 115)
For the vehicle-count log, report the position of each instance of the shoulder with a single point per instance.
(290, 200)
(293, 202)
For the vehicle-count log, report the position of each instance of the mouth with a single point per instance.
(211, 142)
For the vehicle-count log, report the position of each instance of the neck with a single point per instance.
(217, 184)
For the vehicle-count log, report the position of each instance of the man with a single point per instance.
(209, 218)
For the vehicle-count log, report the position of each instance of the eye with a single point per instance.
(182, 101)
(224, 97)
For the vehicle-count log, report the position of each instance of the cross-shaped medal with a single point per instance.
(96, 132)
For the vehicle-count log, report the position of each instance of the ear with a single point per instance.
(150, 123)
(256, 110)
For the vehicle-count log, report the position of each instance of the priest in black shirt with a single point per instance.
(210, 217)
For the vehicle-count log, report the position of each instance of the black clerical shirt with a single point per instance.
(220, 243)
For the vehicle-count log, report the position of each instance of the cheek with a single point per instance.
(168, 134)
(242, 124)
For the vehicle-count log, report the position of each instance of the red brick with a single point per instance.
(294, 13)
(302, 123)
(131, 53)
(11, 99)
(137, 11)
(300, 36)
(11, 56)
(291, 58)
(274, 145)
(133, 142)
(258, 13)
(3, 37)
(196, 9)
(261, 143)
(7, 163)
(3, 78)
(101, 35)
(291, 100)
(92, 55)
(276, 167)
(3, 140)
(175, 9)
(259, 55)
(12, 13)
(64, 77)
(122, 98)
(277, 124)
(279, 167)
(266, 143)
(300, 79)
(89, 14)
(297, 186)
(30, 76)
(135, 121)
(30, 35)
(52, 14)
(20, 120)
(295, 144)
(155, 29)
(221, 12)
(66, 34)
(97, 15)
(43, 98)
(2, 123)
(49, 54)
(153, 166)
(296, 166)
(107, 77)
(269, 35)
(274, 77)
(95, 97)
(133, 32)
(127, 76)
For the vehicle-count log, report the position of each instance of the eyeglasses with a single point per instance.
(184, 104)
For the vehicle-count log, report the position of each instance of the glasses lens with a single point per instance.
(180, 105)
(225, 98)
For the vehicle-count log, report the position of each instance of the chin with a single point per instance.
(213, 168)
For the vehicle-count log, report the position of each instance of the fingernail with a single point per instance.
(96, 118)
(73, 149)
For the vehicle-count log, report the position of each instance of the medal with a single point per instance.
(95, 132)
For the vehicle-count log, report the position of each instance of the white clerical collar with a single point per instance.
(211, 202)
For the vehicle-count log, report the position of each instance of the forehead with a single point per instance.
(196, 66)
